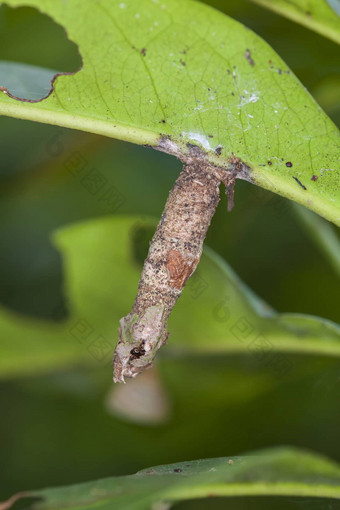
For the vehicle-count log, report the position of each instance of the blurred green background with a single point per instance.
(59, 428)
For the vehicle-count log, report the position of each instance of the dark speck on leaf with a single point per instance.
(269, 163)
(177, 470)
(232, 94)
(299, 183)
(218, 150)
(210, 136)
(289, 164)
(182, 62)
(315, 178)
(279, 71)
(143, 51)
(163, 121)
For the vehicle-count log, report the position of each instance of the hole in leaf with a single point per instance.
(335, 5)
(34, 51)
(141, 236)
(31, 277)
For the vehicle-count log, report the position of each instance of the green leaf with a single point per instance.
(278, 472)
(176, 72)
(319, 15)
(101, 275)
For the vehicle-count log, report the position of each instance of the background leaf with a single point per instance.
(247, 104)
(319, 15)
(276, 472)
(323, 234)
(26, 81)
(101, 271)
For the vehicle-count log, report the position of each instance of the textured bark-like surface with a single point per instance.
(173, 256)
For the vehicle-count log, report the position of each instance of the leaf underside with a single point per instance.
(168, 73)
(280, 472)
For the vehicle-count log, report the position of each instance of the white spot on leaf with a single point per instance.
(199, 138)
(249, 98)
